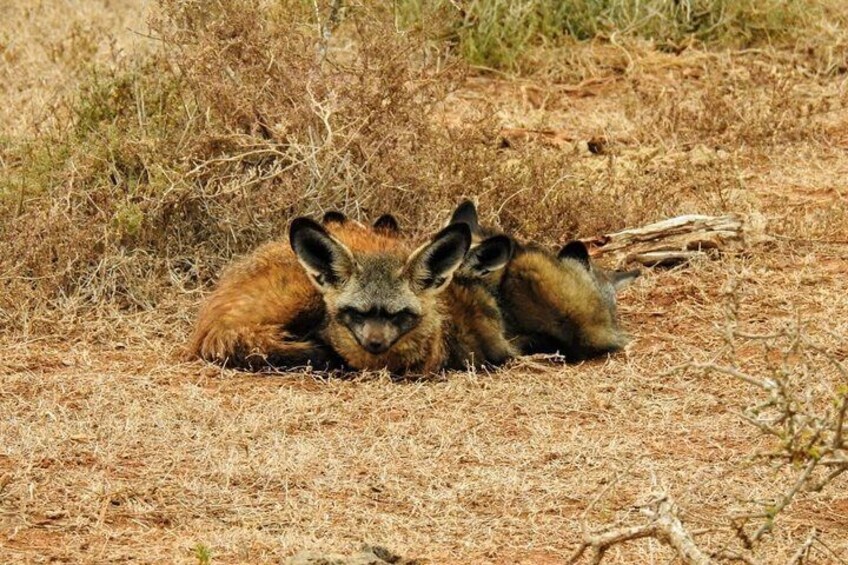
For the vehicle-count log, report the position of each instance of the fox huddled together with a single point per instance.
(341, 294)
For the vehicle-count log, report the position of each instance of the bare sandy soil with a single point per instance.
(112, 449)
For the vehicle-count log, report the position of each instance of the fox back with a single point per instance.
(562, 303)
(554, 302)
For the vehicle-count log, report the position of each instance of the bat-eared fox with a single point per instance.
(554, 302)
(342, 294)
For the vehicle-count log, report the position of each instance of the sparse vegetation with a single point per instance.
(203, 554)
(500, 33)
(135, 164)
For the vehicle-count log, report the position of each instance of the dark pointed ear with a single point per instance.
(387, 225)
(333, 217)
(575, 250)
(431, 266)
(621, 279)
(466, 213)
(492, 254)
(326, 260)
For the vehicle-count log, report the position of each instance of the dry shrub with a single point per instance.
(246, 116)
(250, 113)
(211, 144)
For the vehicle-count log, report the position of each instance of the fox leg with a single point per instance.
(499, 350)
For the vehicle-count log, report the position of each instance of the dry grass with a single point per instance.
(111, 449)
(46, 49)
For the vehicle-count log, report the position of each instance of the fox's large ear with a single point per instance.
(575, 250)
(387, 225)
(466, 213)
(432, 265)
(326, 260)
(492, 254)
(620, 279)
(333, 217)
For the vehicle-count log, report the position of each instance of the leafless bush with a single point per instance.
(806, 423)
(247, 115)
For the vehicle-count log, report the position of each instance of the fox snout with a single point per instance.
(376, 336)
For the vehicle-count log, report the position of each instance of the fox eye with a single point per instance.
(404, 317)
(353, 314)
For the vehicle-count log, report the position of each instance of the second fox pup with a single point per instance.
(554, 302)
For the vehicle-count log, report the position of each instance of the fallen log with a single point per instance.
(673, 241)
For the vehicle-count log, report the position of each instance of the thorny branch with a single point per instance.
(804, 550)
(663, 524)
(810, 432)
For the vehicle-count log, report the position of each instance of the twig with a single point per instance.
(829, 477)
(663, 525)
(765, 384)
(787, 498)
(802, 552)
(603, 541)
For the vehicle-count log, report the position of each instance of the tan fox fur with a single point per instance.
(477, 334)
(268, 311)
(554, 303)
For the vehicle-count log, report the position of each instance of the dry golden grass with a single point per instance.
(115, 451)
(112, 449)
(46, 47)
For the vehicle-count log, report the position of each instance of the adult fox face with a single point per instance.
(379, 298)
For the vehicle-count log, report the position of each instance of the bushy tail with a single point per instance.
(264, 346)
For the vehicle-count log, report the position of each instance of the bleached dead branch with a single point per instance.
(671, 241)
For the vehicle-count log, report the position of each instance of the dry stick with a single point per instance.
(664, 526)
(802, 552)
(677, 536)
(601, 542)
(670, 241)
(591, 505)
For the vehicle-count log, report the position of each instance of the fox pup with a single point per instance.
(554, 303)
(475, 331)
(414, 312)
